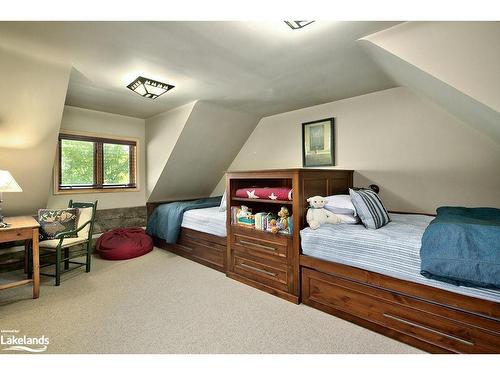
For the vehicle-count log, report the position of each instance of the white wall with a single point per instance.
(32, 94)
(162, 133)
(85, 120)
(419, 155)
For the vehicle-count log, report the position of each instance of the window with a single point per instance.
(87, 163)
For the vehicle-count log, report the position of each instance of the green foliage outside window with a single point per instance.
(77, 162)
(116, 164)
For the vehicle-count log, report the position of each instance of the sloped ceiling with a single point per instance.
(262, 68)
(454, 64)
(31, 105)
(207, 144)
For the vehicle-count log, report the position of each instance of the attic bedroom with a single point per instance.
(249, 187)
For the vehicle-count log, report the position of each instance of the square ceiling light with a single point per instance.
(294, 25)
(149, 88)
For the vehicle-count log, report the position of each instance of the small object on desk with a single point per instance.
(24, 228)
(7, 185)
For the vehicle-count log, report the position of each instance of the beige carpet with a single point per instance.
(162, 303)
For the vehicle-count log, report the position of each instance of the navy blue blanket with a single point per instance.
(462, 246)
(166, 220)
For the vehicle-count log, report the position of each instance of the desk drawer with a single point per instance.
(16, 234)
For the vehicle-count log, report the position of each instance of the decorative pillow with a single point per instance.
(53, 222)
(369, 208)
(340, 204)
(223, 203)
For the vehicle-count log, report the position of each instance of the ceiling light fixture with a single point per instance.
(294, 25)
(149, 88)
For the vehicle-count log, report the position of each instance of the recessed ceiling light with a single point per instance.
(149, 88)
(294, 25)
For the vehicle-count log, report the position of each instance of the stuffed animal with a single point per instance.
(273, 226)
(283, 214)
(317, 215)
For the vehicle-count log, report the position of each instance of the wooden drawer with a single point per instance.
(17, 234)
(274, 246)
(202, 248)
(201, 251)
(269, 273)
(442, 328)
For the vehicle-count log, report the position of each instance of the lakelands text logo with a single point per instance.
(12, 340)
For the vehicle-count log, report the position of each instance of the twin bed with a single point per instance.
(202, 235)
(369, 277)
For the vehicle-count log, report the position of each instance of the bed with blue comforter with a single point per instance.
(393, 250)
(166, 220)
(462, 246)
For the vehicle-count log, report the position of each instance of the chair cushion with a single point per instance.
(124, 243)
(84, 215)
(53, 222)
(52, 244)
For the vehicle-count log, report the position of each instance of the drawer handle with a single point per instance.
(257, 245)
(401, 320)
(244, 265)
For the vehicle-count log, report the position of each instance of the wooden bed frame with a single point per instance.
(432, 319)
(203, 248)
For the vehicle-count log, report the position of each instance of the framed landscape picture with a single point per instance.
(318, 143)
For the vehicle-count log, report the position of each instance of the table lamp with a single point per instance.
(7, 185)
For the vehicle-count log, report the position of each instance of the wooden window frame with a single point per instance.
(99, 187)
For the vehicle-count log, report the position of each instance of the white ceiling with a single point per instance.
(262, 68)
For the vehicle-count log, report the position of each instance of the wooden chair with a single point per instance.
(62, 244)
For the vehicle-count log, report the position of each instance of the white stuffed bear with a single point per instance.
(317, 215)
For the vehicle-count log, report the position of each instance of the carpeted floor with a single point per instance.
(163, 303)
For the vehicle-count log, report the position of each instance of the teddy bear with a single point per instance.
(317, 214)
(283, 214)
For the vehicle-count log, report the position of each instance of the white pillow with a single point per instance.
(223, 203)
(347, 219)
(340, 204)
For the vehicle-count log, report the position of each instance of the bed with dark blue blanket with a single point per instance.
(462, 246)
(166, 220)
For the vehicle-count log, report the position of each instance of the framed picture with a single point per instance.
(318, 143)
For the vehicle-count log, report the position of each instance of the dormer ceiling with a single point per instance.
(261, 68)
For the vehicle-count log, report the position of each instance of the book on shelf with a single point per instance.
(260, 220)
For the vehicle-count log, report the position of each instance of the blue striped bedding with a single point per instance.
(393, 250)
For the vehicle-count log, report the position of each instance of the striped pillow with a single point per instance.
(369, 208)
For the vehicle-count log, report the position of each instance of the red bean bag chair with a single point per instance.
(124, 243)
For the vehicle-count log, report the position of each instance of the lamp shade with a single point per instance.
(7, 183)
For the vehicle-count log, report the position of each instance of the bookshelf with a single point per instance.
(262, 259)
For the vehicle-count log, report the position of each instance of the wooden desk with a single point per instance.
(24, 228)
